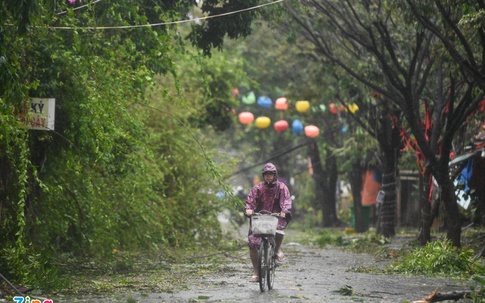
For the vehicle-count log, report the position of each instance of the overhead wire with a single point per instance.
(165, 23)
(79, 7)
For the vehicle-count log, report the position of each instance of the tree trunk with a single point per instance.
(477, 182)
(325, 185)
(453, 224)
(355, 179)
(387, 212)
(389, 139)
(426, 220)
(3, 185)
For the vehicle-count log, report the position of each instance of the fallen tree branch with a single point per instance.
(436, 296)
(11, 285)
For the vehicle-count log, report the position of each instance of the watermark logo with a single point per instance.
(28, 300)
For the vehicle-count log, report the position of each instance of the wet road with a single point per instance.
(311, 274)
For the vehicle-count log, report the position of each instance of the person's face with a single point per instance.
(268, 177)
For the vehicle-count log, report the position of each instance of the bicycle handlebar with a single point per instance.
(266, 213)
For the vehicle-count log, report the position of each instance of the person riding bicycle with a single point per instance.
(273, 196)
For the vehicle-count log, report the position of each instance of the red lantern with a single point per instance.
(312, 131)
(482, 105)
(333, 108)
(281, 104)
(281, 126)
(246, 118)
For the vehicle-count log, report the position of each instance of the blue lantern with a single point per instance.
(297, 127)
(264, 102)
(344, 129)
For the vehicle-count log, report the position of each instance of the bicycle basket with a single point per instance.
(264, 225)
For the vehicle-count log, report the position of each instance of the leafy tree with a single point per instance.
(459, 26)
(382, 48)
(210, 34)
(103, 178)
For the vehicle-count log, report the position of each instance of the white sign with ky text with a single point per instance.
(42, 113)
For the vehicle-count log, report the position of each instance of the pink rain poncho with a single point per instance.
(274, 197)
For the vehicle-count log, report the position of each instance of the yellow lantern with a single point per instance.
(302, 106)
(353, 108)
(262, 122)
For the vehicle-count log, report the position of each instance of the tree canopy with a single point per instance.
(125, 167)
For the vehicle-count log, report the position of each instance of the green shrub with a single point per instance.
(439, 258)
(326, 237)
(478, 290)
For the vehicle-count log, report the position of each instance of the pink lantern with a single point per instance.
(281, 103)
(246, 118)
(281, 126)
(312, 131)
(333, 108)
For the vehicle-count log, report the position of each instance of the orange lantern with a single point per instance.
(281, 103)
(246, 118)
(262, 122)
(302, 106)
(281, 126)
(312, 131)
(333, 108)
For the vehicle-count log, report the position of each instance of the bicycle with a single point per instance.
(264, 226)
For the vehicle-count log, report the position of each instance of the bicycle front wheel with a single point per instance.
(271, 261)
(262, 264)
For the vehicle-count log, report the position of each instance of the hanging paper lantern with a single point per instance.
(312, 131)
(246, 118)
(249, 99)
(235, 92)
(264, 102)
(353, 108)
(281, 126)
(323, 108)
(344, 129)
(297, 127)
(333, 108)
(302, 106)
(281, 104)
(262, 122)
(482, 105)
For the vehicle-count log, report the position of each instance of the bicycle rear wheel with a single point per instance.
(271, 266)
(262, 264)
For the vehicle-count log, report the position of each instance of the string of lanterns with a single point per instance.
(281, 104)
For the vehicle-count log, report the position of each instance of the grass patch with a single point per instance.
(164, 271)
